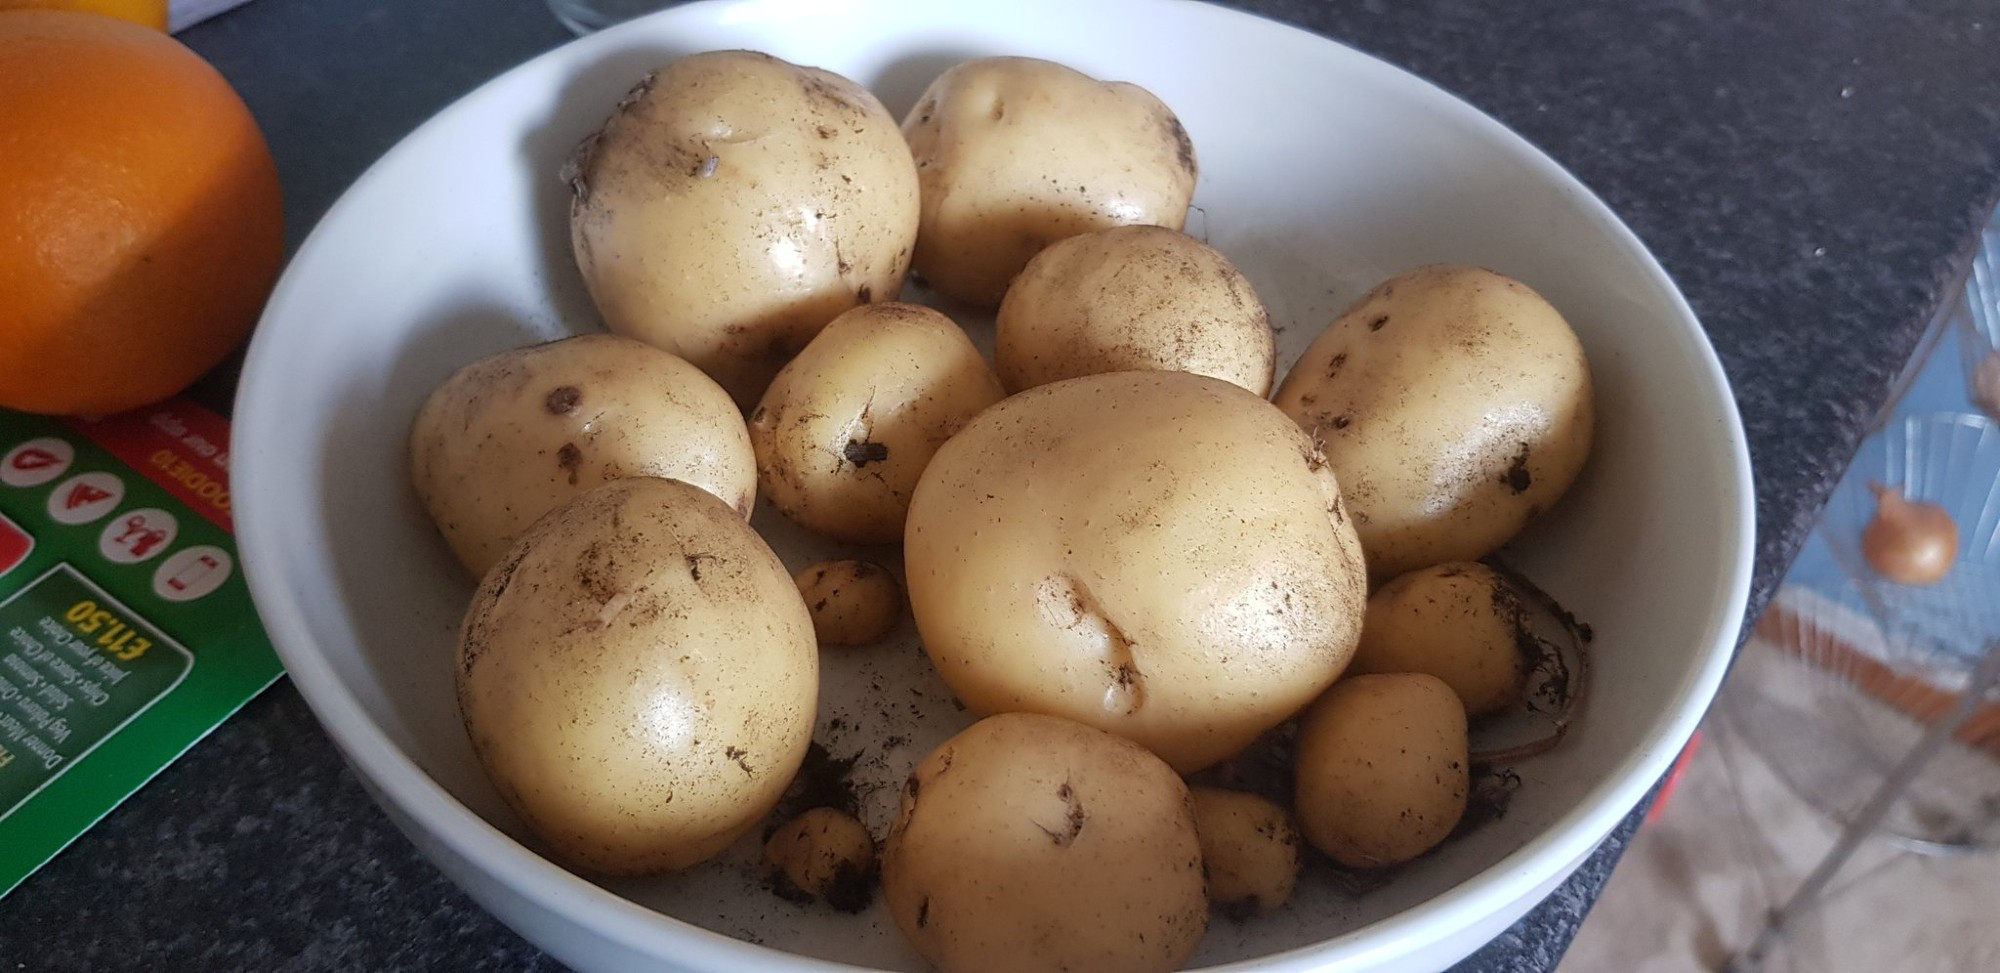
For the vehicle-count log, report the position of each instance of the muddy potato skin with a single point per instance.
(827, 854)
(852, 602)
(1249, 849)
(1015, 153)
(1459, 621)
(734, 204)
(511, 437)
(1132, 298)
(1157, 554)
(846, 428)
(1454, 403)
(638, 677)
(1381, 771)
(1030, 843)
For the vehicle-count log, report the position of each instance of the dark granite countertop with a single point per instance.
(1810, 172)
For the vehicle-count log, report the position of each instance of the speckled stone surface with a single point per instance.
(1811, 174)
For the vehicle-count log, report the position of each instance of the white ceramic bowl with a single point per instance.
(1323, 171)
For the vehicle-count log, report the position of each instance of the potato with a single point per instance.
(638, 677)
(1381, 772)
(1157, 554)
(852, 602)
(1132, 298)
(1015, 153)
(845, 429)
(1249, 850)
(511, 437)
(1455, 404)
(733, 204)
(1459, 621)
(824, 854)
(1029, 843)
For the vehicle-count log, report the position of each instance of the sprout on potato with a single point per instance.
(852, 602)
(1029, 842)
(734, 203)
(513, 436)
(1131, 298)
(1456, 406)
(1015, 153)
(638, 677)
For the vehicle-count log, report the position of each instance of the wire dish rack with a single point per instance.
(1953, 460)
(1979, 331)
(1863, 671)
(1883, 712)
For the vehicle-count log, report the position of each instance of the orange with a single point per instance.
(152, 13)
(140, 221)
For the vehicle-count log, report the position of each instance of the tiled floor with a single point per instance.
(1732, 844)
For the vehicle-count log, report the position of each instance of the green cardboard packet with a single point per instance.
(126, 631)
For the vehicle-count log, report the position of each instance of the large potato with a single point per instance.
(1459, 621)
(1456, 406)
(1132, 298)
(1157, 554)
(1031, 843)
(1015, 153)
(734, 204)
(639, 677)
(511, 437)
(1382, 768)
(846, 427)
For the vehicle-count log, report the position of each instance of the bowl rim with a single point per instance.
(583, 904)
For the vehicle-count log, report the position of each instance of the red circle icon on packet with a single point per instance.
(36, 462)
(137, 535)
(85, 497)
(192, 573)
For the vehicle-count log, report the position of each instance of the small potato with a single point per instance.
(511, 437)
(1249, 849)
(1157, 554)
(1460, 621)
(638, 677)
(1015, 153)
(733, 204)
(845, 429)
(1456, 406)
(1132, 298)
(1382, 770)
(825, 854)
(1030, 843)
(852, 602)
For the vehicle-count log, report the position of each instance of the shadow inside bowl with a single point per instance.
(407, 611)
(582, 104)
(901, 83)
